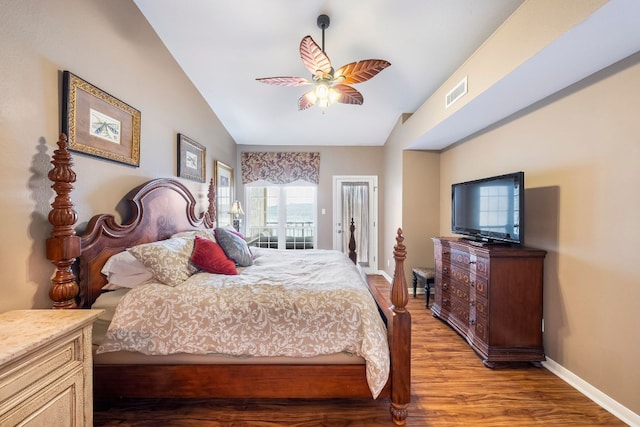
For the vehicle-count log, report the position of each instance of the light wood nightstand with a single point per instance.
(46, 367)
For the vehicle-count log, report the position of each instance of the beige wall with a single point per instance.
(420, 207)
(412, 197)
(581, 154)
(111, 45)
(333, 161)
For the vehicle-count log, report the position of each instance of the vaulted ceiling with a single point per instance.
(224, 46)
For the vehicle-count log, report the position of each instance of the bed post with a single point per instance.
(63, 247)
(211, 209)
(401, 337)
(352, 243)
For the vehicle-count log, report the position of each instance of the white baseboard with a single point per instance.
(619, 411)
(386, 276)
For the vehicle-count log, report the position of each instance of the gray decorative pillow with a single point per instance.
(169, 260)
(234, 246)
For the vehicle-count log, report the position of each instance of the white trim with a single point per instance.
(618, 410)
(390, 280)
(386, 276)
(373, 215)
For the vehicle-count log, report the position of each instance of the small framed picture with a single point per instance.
(98, 124)
(224, 192)
(191, 157)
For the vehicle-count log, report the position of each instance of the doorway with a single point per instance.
(357, 197)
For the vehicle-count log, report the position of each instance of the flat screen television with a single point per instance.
(489, 210)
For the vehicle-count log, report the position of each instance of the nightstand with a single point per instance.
(46, 372)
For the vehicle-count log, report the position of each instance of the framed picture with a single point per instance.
(191, 156)
(224, 192)
(98, 124)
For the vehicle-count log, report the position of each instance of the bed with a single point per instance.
(162, 210)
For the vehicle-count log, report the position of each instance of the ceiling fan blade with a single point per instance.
(361, 71)
(284, 81)
(305, 101)
(348, 95)
(313, 58)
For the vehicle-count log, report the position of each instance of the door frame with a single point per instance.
(373, 214)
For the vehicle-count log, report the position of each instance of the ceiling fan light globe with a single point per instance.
(323, 103)
(311, 96)
(334, 96)
(322, 91)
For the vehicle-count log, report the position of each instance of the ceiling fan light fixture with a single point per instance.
(329, 86)
(322, 89)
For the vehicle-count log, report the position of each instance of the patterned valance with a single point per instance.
(280, 168)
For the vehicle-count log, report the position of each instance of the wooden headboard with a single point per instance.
(159, 208)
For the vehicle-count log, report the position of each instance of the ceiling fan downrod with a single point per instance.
(323, 24)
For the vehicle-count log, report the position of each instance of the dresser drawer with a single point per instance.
(460, 257)
(460, 277)
(55, 405)
(480, 329)
(481, 286)
(481, 307)
(479, 265)
(41, 367)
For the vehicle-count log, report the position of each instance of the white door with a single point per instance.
(357, 197)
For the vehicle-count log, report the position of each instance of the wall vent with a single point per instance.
(456, 93)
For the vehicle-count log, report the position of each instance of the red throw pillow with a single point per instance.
(209, 256)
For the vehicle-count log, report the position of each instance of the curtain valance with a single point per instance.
(280, 167)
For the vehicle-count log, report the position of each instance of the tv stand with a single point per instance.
(492, 296)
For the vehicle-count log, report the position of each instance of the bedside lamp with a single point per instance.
(236, 211)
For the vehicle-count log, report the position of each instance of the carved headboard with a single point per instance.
(159, 208)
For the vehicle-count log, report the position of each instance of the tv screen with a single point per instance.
(489, 209)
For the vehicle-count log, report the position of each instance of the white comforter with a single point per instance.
(289, 303)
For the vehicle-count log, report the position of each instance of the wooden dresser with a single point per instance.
(46, 367)
(492, 296)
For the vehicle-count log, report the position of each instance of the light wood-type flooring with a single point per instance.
(450, 387)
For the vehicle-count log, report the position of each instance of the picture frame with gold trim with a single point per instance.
(99, 124)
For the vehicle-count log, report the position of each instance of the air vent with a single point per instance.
(456, 93)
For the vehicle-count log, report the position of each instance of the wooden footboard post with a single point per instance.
(400, 336)
(63, 247)
(352, 243)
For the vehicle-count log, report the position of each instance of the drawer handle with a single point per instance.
(445, 286)
(445, 270)
(472, 303)
(473, 283)
(473, 321)
(472, 262)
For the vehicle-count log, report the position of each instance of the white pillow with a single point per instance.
(207, 234)
(123, 270)
(123, 263)
(169, 260)
(117, 281)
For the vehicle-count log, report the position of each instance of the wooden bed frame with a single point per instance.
(159, 209)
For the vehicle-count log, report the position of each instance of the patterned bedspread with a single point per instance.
(289, 303)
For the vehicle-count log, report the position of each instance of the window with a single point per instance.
(281, 216)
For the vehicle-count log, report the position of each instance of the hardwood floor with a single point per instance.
(450, 387)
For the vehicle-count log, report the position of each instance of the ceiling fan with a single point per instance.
(330, 86)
